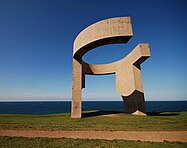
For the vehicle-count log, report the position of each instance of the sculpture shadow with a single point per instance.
(162, 114)
(98, 113)
(101, 113)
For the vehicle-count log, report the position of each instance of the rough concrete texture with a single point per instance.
(127, 70)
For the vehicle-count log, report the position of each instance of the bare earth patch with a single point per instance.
(152, 136)
(111, 115)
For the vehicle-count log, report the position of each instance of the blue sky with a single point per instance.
(36, 41)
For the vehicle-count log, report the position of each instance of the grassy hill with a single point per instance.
(97, 120)
(18, 142)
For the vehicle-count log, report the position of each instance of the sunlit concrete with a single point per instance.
(127, 70)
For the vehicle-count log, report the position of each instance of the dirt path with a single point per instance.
(109, 135)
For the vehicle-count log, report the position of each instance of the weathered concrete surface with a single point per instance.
(127, 70)
(109, 31)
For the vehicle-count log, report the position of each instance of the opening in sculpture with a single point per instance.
(127, 70)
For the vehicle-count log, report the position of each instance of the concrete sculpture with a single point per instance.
(127, 70)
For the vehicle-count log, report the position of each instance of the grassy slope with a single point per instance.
(164, 121)
(7, 142)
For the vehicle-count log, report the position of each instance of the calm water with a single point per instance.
(65, 107)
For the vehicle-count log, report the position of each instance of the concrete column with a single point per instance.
(76, 90)
(135, 103)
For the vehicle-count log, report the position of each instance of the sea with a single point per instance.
(53, 107)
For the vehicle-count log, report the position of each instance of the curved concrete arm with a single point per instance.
(109, 31)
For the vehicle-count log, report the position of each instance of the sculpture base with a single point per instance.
(139, 113)
(76, 109)
(135, 103)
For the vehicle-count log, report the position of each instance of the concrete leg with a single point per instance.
(76, 90)
(135, 103)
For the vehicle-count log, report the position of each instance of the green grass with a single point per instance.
(124, 122)
(19, 142)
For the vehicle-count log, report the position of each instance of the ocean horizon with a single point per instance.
(53, 107)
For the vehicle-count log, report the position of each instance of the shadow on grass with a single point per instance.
(98, 113)
(162, 114)
(101, 113)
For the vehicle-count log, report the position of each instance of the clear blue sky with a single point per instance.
(36, 39)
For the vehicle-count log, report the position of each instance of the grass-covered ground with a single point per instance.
(93, 121)
(18, 142)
